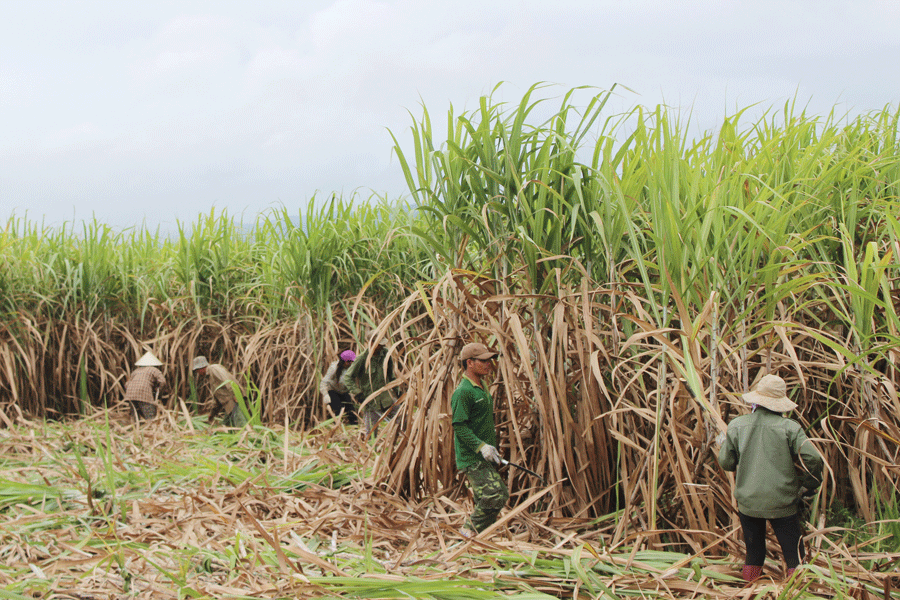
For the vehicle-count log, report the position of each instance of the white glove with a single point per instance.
(490, 454)
(326, 399)
(720, 439)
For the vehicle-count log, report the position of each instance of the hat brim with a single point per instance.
(148, 360)
(486, 355)
(782, 404)
(145, 362)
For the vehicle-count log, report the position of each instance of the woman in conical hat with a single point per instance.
(144, 386)
(762, 447)
(148, 360)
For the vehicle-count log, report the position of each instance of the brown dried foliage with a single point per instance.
(610, 420)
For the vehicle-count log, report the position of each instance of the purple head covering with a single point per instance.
(348, 356)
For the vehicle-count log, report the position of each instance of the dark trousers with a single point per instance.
(787, 530)
(143, 410)
(340, 401)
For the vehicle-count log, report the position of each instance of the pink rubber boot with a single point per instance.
(751, 572)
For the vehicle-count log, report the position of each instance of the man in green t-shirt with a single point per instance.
(475, 437)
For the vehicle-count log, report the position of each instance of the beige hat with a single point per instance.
(477, 350)
(371, 336)
(771, 393)
(148, 360)
(199, 363)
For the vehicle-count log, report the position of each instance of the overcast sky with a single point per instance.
(148, 112)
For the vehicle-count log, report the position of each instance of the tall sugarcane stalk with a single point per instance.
(619, 221)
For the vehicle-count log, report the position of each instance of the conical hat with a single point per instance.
(148, 360)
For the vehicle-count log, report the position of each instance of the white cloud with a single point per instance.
(111, 107)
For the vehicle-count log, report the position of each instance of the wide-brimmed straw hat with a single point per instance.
(771, 393)
(199, 363)
(148, 360)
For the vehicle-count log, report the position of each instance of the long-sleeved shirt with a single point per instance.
(221, 390)
(473, 423)
(762, 448)
(143, 385)
(332, 381)
(362, 379)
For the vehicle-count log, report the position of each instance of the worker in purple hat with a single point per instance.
(335, 395)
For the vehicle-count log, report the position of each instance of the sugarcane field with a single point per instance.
(181, 413)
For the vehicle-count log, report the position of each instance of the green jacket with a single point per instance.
(762, 447)
(473, 423)
(362, 379)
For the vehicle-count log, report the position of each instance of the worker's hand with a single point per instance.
(720, 439)
(490, 454)
(326, 399)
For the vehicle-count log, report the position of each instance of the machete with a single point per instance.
(521, 468)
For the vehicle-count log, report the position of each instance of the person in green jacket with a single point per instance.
(762, 447)
(371, 371)
(475, 438)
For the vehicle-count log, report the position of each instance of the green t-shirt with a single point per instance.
(473, 422)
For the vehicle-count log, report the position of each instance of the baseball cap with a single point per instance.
(477, 350)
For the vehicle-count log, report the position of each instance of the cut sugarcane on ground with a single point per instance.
(100, 508)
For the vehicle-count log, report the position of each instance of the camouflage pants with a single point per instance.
(371, 416)
(490, 494)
